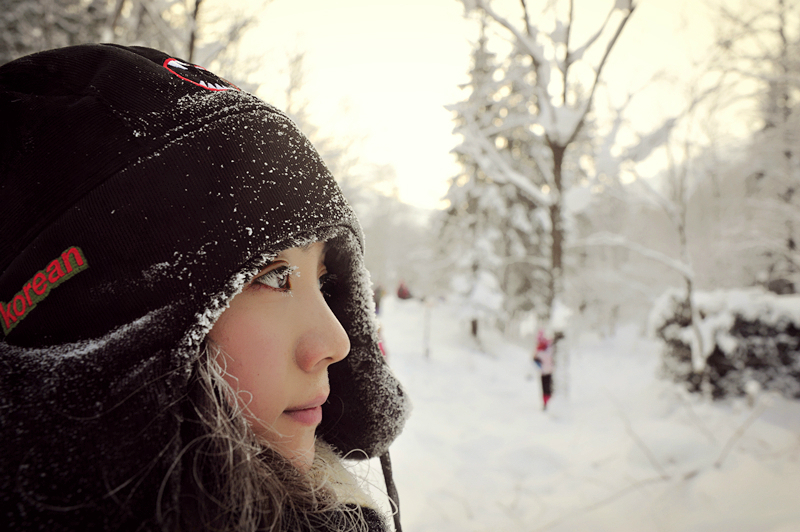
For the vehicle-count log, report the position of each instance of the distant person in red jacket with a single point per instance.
(402, 291)
(543, 357)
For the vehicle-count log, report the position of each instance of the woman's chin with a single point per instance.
(298, 449)
(301, 457)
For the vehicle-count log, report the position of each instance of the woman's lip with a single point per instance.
(309, 413)
(306, 416)
(319, 400)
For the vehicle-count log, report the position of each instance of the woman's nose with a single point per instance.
(324, 342)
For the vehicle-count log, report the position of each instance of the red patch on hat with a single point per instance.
(198, 75)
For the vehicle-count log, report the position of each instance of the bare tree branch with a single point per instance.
(578, 53)
(635, 486)
(599, 71)
(528, 41)
(610, 239)
(739, 433)
(193, 32)
(567, 58)
(639, 442)
(491, 159)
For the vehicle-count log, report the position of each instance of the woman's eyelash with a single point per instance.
(280, 279)
(277, 279)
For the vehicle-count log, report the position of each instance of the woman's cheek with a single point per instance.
(256, 354)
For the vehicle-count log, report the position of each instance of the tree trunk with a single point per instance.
(557, 230)
(193, 33)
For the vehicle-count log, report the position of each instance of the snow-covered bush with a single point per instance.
(748, 336)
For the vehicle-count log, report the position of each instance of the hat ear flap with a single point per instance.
(367, 407)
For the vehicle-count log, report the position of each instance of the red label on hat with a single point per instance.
(198, 75)
(60, 269)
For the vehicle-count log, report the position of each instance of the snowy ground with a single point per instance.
(617, 450)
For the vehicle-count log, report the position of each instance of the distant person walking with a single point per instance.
(543, 357)
(402, 291)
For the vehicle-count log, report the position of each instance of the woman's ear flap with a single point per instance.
(367, 407)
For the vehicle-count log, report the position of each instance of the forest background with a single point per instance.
(575, 201)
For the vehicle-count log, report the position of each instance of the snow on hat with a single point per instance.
(139, 193)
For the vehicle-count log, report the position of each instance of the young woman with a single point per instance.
(188, 331)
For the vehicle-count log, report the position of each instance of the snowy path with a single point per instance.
(623, 452)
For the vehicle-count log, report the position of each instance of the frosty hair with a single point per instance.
(233, 480)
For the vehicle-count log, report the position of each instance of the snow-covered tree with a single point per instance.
(201, 31)
(563, 82)
(28, 26)
(685, 142)
(751, 192)
(468, 243)
(759, 51)
(464, 249)
(490, 236)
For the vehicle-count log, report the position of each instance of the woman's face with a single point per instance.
(278, 338)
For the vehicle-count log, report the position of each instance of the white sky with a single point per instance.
(384, 69)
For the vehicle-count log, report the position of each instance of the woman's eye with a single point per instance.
(277, 279)
(326, 281)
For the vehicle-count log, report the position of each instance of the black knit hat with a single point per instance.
(139, 194)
